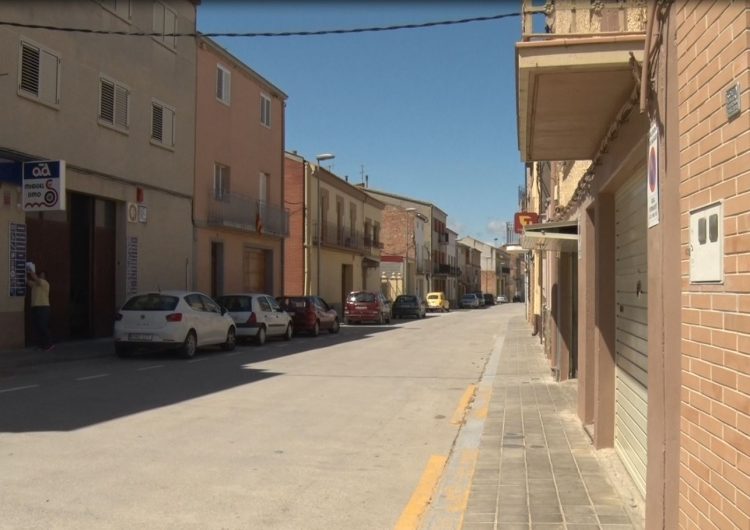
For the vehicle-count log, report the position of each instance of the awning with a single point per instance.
(370, 263)
(561, 236)
(569, 91)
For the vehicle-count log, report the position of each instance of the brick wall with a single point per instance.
(713, 46)
(294, 245)
(394, 230)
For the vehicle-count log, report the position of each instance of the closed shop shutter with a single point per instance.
(254, 270)
(631, 267)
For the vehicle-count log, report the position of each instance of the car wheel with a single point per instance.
(288, 332)
(381, 320)
(315, 331)
(335, 327)
(260, 338)
(123, 350)
(231, 341)
(188, 348)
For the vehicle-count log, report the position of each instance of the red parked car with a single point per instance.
(310, 314)
(364, 306)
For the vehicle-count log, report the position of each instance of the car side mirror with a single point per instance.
(223, 310)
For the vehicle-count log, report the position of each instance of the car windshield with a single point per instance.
(291, 303)
(432, 297)
(362, 297)
(236, 303)
(405, 299)
(151, 302)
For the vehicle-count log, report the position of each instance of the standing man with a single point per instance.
(40, 309)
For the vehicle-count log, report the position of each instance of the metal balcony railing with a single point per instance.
(339, 236)
(242, 212)
(445, 270)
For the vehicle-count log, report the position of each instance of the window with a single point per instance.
(114, 103)
(39, 74)
(265, 110)
(223, 84)
(165, 23)
(221, 182)
(121, 8)
(162, 124)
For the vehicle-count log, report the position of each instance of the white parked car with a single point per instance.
(257, 316)
(183, 320)
(501, 299)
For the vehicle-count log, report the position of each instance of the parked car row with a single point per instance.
(185, 320)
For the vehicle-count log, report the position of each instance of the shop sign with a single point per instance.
(43, 185)
(522, 219)
(17, 265)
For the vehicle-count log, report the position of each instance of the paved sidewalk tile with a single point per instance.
(537, 468)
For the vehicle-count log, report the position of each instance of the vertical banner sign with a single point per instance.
(131, 267)
(17, 265)
(653, 175)
(43, 186)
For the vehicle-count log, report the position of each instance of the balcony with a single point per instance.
(441, 269)
(442, 238)
(341, 237)
(572, 83)
(248, 214)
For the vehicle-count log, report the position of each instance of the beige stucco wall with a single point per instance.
(233, 135)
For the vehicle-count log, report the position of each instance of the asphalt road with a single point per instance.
(332, 432)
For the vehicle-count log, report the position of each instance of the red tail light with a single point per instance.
(174, 317)
(118, 316)
(252, 319)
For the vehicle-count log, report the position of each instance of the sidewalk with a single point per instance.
(11, 360)
(535, 466)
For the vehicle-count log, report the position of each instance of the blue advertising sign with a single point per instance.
(43, 186)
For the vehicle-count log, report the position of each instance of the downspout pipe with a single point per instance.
(647, 57)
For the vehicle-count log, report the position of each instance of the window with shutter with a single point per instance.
(221, 182)
(39, 74)
(223, 82)
(162, 124)
(114, 103)
(265, 110)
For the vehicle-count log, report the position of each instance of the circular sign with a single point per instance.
(652, 168)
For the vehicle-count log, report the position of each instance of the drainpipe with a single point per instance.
(305, 226)
(647, 57)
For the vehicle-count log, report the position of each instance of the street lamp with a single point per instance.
(321, 157)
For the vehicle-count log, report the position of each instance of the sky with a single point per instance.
(428, 113)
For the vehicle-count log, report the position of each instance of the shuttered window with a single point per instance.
(223, 84)
(121, 8)
(221, 182)
(162, 124)
(265, 110)
(165, 23)
(114, 103)
(39, 75)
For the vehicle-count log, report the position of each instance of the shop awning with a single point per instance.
(560, 236)
(570, 90)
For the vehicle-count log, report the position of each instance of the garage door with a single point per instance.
(631, 398)
(254, 270)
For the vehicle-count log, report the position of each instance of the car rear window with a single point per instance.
(236, 303)
(293, 303)
(432, 297)
(406, 299)
(362, 297)
(151, 302)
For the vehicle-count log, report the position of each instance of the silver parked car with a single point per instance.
(257, 316)
(469, 301)
(183, 320)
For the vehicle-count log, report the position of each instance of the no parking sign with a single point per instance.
(653, 175)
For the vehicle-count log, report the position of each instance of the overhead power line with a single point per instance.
(264, 33)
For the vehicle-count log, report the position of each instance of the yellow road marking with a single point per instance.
(481, 404)
(416, 506)
(463, 405)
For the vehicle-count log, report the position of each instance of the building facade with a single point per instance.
(238, 210)
(651, 290)
(335, 238)
(121, 118)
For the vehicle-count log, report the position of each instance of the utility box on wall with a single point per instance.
(707, 244)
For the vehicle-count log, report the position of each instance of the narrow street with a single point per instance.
(316, 433)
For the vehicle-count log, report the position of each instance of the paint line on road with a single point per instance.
(417, 505)
(152, 367)
(16, 388)
(88, 377)
(463, 405)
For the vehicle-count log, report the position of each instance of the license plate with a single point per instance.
(140, 336)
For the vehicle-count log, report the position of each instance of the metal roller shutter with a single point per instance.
(631, 280)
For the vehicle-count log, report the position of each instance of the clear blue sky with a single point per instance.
(430, 113)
